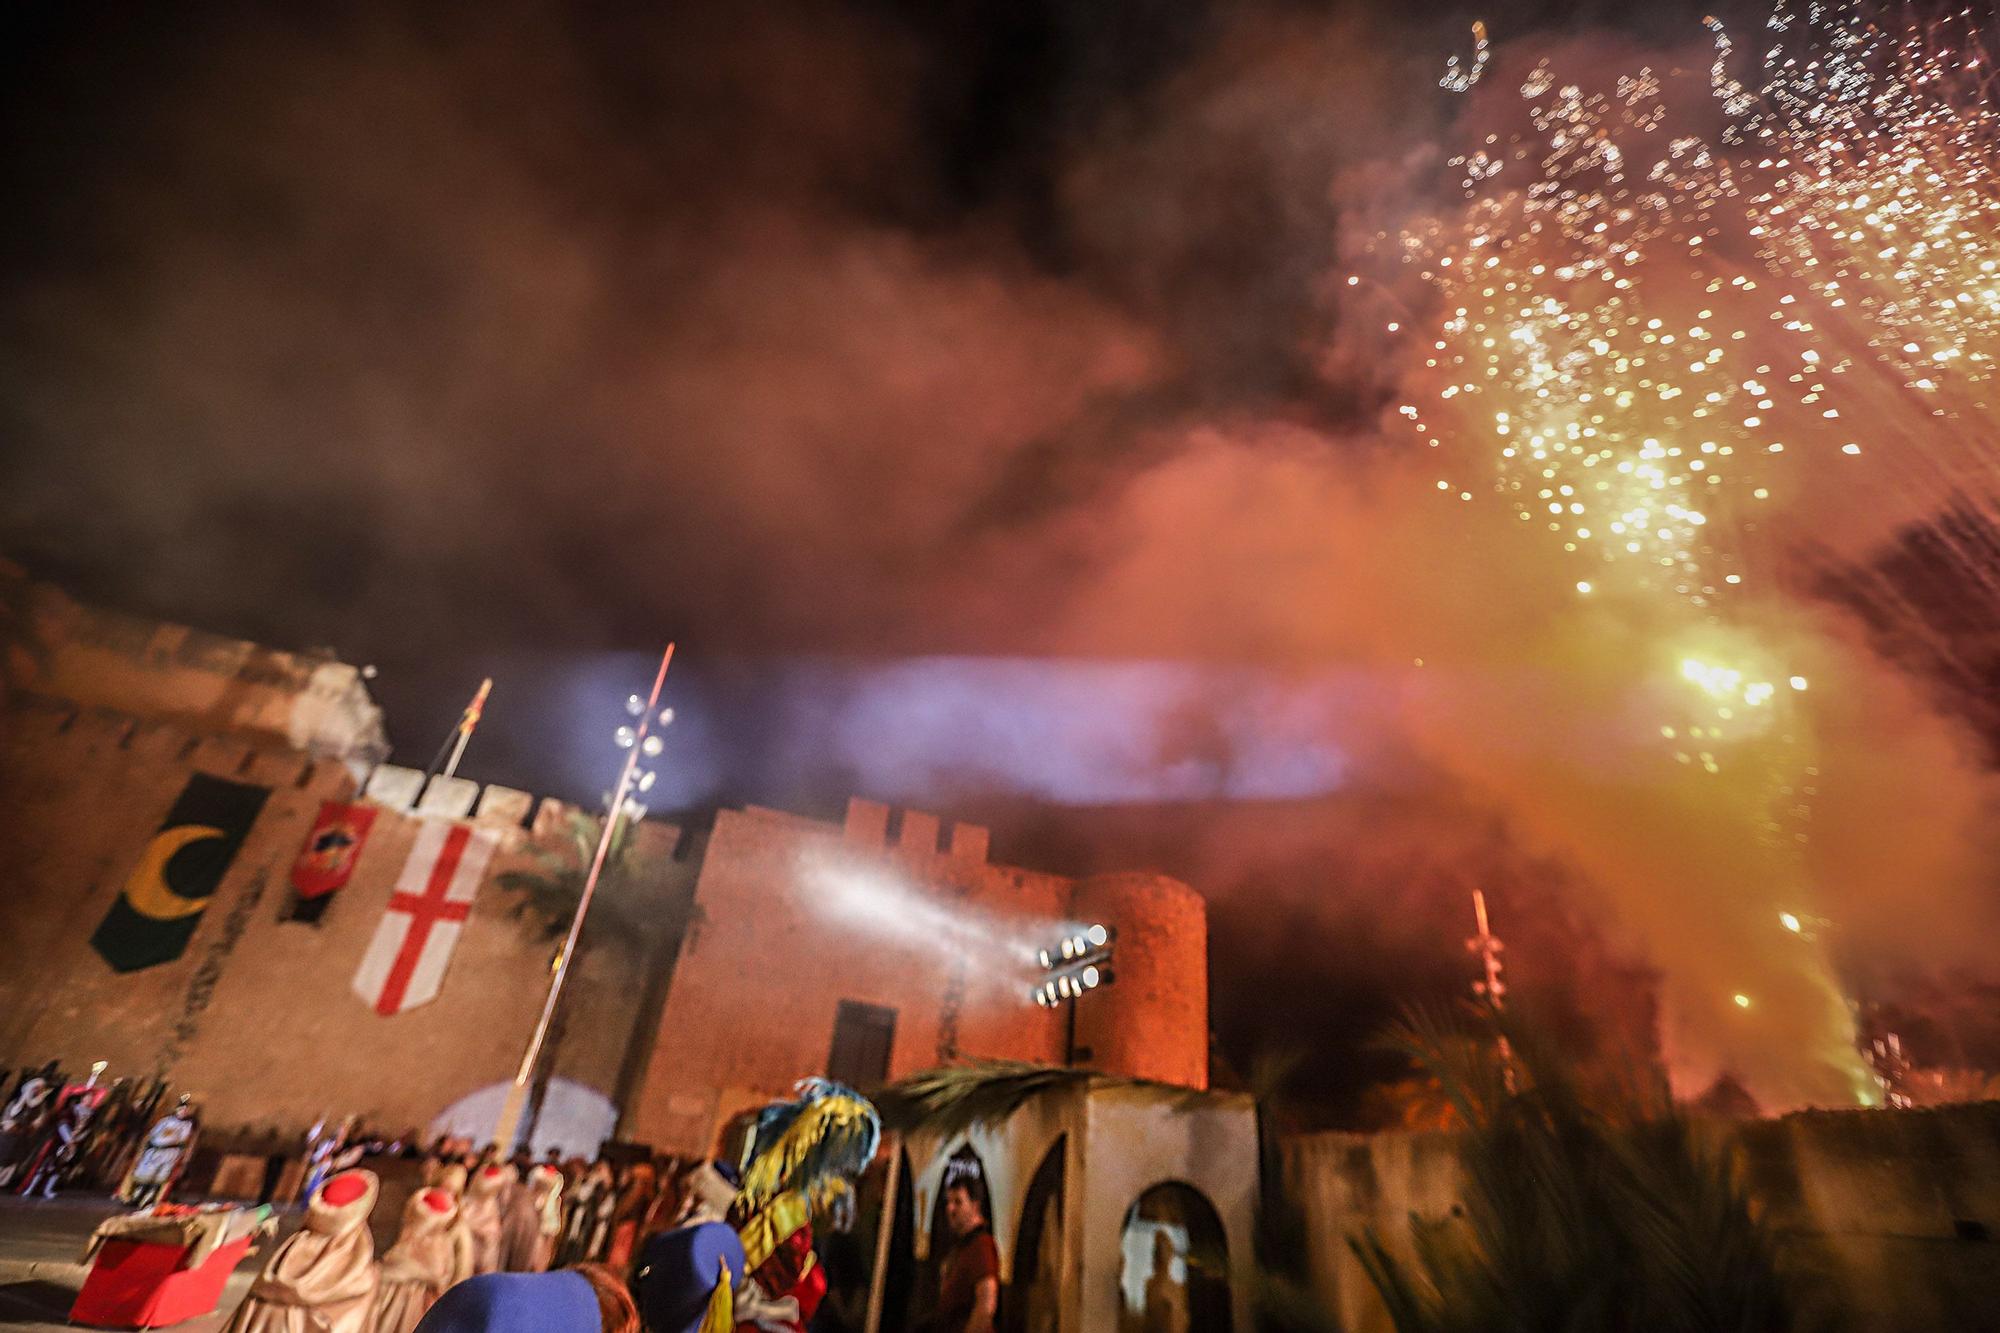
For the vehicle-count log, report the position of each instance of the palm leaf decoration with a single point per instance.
(1582, 1208)
(952, 1100)
(551, 890)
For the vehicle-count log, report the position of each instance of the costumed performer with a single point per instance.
(635, 1199)
(58, 1158)
(451, 1179)
(480, 1212)
(580, 1227)
(421, 1265)
(801, 1154)
(584, 1299)
(322, 1278)
(527, 1239)
(168, 1146)
(27, 1111)
(687, 1277)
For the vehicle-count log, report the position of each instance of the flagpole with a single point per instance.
(466, 725)
(455, 740)
(517, 1095)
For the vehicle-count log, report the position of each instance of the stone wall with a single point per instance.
(258, 1017)
(796, 916)
(1890, 1217)
(59, 649)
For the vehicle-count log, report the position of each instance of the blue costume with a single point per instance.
(558, 1302)
(679, 1271)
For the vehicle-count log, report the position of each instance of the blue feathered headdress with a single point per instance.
(813, 1145)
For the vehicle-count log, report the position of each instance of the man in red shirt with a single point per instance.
(969, 1294)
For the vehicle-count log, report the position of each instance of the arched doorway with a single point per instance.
(1175, 1275)
(963, 1167)
(1032, 1302)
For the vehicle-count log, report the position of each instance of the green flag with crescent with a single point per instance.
(155, 916)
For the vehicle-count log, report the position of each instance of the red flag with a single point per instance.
(332, 848)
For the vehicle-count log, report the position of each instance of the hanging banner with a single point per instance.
(406, 961)
(327, 860)
(164, 897)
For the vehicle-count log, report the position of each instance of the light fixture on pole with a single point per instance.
(1079, 962)
(638, 741)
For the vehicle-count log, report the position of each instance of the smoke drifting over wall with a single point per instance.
(824, 331)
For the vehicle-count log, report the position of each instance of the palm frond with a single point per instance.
(1583, 1207)
(953, 1099)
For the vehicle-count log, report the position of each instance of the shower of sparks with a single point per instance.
(1878, 135)
(1687, 360)
(1631, 393)
(1460, 79)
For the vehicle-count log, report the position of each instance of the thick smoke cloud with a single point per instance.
(455, 341)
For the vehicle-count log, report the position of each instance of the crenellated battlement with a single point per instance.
(873, 826)
(90, 658)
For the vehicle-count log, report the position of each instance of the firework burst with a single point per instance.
(1878, 136)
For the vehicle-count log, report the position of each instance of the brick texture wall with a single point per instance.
(267, 1030)
(797, 916)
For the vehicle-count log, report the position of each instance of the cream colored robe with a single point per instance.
(322, 1279)
(421, 1264)
(480, 1211)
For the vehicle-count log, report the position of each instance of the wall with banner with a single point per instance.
(228, 913)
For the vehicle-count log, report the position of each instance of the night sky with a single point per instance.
(830, 341)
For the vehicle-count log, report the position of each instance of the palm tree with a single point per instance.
(623, 908)
(1585, 1208)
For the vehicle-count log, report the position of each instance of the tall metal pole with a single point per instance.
(517, 1095)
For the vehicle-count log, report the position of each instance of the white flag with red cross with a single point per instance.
(406, 961)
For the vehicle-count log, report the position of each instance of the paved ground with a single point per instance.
(40, 1243)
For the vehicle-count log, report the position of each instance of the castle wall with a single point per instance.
(106, 717)
(1153, 1021)
(214, 685)
(258, 1016)
(796, 916)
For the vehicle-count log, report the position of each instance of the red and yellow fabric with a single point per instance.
(778, 1254)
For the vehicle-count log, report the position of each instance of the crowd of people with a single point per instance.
(490, 1243)
(494, 1241)
(56, 1133)
(604, 1207)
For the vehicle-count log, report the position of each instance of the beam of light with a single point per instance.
(996, 955)
(924, 730)
(1078, 732)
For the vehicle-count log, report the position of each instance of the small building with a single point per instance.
(1114, 1205)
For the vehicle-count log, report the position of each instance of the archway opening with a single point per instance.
(962, 1169)
(1034, 1298)
(1175, 1274)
